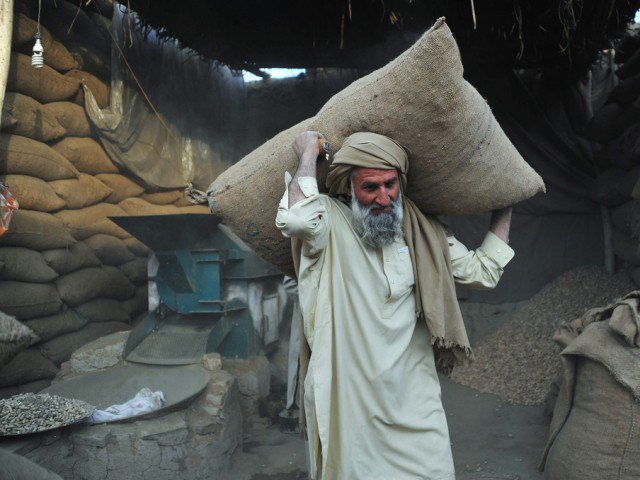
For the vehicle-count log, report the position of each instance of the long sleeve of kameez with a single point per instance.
(307, 220)
(482, 268)
(307, 224)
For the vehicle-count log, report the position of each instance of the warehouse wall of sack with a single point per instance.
(615, 126)
(66, 271)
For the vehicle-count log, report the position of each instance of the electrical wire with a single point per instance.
(39, 9)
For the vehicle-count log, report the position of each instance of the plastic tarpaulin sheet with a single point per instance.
(192, 140)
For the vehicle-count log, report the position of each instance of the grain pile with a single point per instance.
(29, 413)
(519, 361)
(70, 274)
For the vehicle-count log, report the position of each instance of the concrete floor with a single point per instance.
(490, 441)
(269, 454)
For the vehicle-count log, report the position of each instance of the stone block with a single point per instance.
(97, 436)
(156, 473)
(90, 462)
(177, 437)
(172, 458)
(212, 361)
(166, 430)
(131, 453)
(253, 375)
(56, 456)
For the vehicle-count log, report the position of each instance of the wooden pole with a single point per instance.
(609, 256)
(6, 30)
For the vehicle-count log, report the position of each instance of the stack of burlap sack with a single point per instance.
(66, 272)
(461, 160)
(615, 126)
(594, 432)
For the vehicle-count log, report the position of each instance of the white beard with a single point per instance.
(376, 230)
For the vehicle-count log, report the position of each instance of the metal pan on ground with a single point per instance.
(114, 386)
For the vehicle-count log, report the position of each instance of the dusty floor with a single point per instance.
(490, 441)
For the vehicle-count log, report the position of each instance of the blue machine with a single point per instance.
(203, 268)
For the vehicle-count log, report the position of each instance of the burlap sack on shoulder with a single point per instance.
(44, 84)
(23, 156)
(246, 196)
(461, 160)
(84, 191)
(36, 230)
(33, 193)
(25, 116)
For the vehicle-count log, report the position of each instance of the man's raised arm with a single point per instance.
(501, 223)
(302, 213)
(483, 267)
(307, 149)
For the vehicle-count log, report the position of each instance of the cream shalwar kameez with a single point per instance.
(372, 395)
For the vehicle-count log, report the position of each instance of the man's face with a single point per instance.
(376, 206)
(376, 188)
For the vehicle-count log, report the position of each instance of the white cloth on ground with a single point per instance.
(145, 401)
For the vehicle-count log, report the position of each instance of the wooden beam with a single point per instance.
(6, 30)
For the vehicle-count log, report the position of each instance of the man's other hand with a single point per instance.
(501, 223)
(306, 145)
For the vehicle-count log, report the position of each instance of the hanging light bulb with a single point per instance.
(37, 59)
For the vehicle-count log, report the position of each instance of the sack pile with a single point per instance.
(67, 273)
(615, 126)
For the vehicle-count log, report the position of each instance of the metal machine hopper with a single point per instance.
(203, 273)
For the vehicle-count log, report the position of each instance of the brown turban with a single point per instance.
(366, 150)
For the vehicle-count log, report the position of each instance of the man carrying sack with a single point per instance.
(376, 286)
